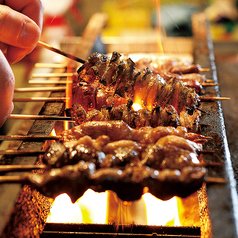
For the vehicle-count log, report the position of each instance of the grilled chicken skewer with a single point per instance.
(39, 117)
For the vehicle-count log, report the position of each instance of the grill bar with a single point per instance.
(91, 230)
(219, 196)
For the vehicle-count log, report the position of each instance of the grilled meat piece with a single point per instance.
(127, 83)
(127, 182)
(71, 179)
(135, 119)
(168, 167)
(58, 155)
(119, 130)
(158, 116)
(169, 69)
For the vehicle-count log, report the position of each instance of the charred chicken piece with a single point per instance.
(58, 155)
(169, 69)
(71, 179)
(119, 130)
(161, 159)
(126, 83)
(135, 119)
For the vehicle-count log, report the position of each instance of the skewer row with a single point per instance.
(8, 168)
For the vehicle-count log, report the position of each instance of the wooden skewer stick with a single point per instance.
(39, 117)
(39, 89)
(28, 137)
(12, 179)
(53, 75)
(22, 152)
(204, 98)
(204, 70)
(210, 84)
(205, 151)
(209, 81)
(40, 99)
(12, 168)
(215, 180)
(49, 65)
(207, 164)
(24, 179)
(44, 82)
(58, 51)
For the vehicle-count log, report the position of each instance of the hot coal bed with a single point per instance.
(23, 211)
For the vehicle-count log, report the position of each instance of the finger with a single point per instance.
(7, 83)
(34, 9)
(17, 29)
(15, 54)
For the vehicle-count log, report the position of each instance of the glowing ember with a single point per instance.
(68, 92)
(136, 107)
(53, 133)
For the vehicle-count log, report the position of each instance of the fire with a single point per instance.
(63, 211)
(158, 212)
(53, 133)
(160, 29)
(136, 106)
(90, 208)
(106, 207)
(68, 91)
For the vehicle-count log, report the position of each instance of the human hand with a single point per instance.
(20, 30)
(20, 27)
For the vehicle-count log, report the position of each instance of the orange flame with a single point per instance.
(158, 212)
(105, 208)
(90, 208)
(160, 29)
(68, 92)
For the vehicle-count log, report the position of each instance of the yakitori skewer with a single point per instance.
(39, 89)
(12, 168)
(209, 84)
(22, 179)
(204, 98)
(40, 99)
(50, 65)
(22, 152)
(209, 81)
(215, 180)
(28, 137)
(204, 69)
(39, 82)
(39, 117)
(53, 75)
(46, 82)
(58, 51)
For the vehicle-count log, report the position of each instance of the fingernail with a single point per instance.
(29, 34)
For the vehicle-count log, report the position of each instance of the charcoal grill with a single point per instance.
(23, 211)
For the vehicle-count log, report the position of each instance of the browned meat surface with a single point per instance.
(162, 160)
(120, 81)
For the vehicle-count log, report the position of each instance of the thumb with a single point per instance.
(16, 29)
